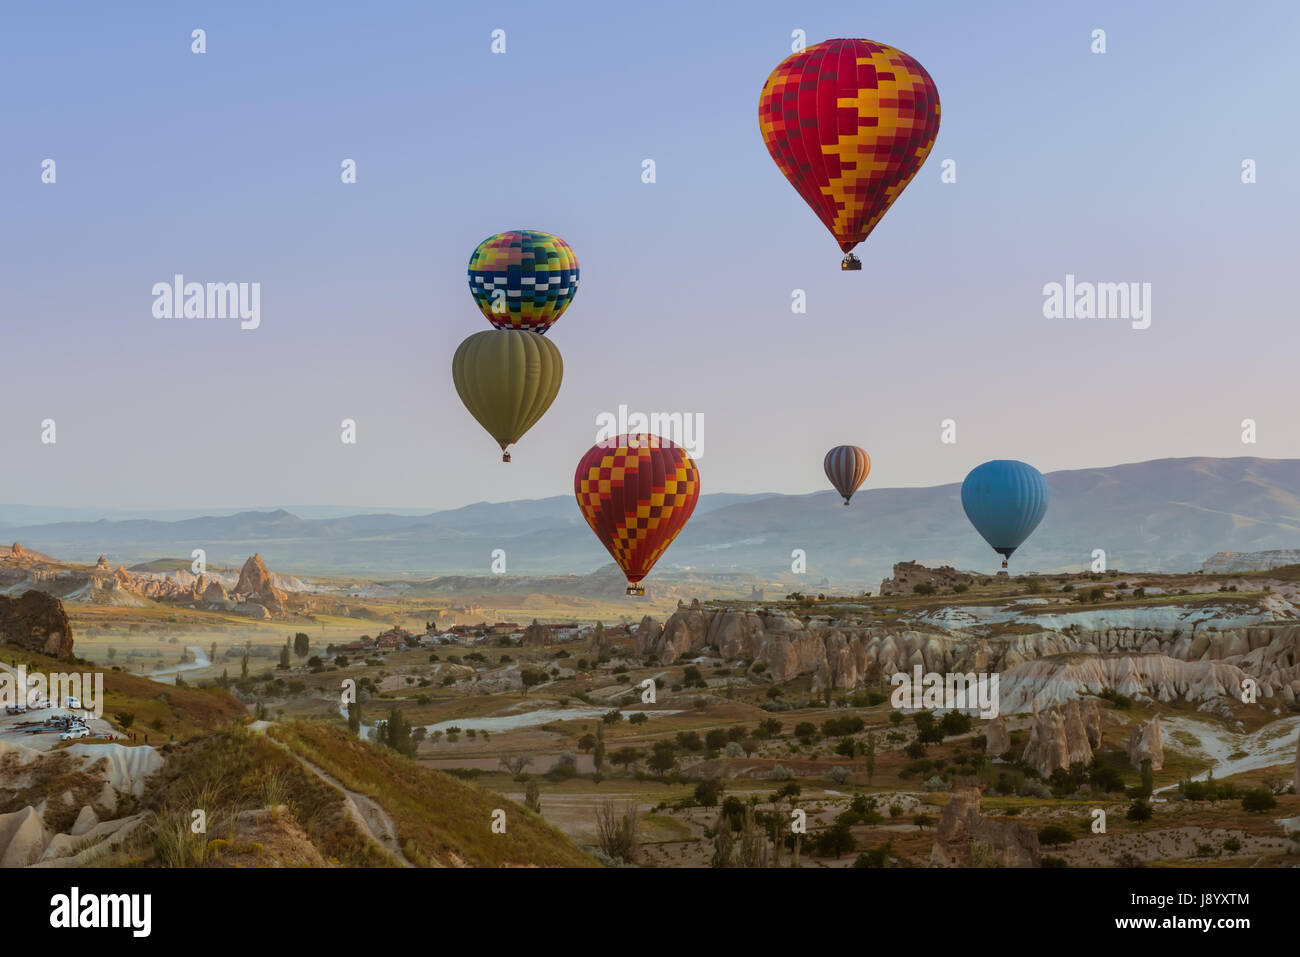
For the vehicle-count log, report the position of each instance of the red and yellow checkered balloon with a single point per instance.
(849, 122)
(636, 492)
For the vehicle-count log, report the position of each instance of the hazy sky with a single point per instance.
(1119, 167)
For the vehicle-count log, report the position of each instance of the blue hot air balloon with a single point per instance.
(1005, 500)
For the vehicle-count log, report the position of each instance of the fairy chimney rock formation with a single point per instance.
(996, 737)
(1146, 742)
(255, 584)
(966, 838)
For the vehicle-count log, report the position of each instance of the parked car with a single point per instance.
(74, 703)
(81, 732)
(16, 709)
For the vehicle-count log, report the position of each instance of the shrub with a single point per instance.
(1054, 834)
(1139, 811)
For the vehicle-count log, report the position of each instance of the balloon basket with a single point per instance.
(851, 263)
(635, 590)
(1004, 564)
(846, 503)
(505, 456)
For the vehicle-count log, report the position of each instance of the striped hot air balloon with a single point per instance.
(847, 467)
(1005, 500)
(849, 123)
(636, 492)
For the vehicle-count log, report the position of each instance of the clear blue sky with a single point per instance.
(225, 167)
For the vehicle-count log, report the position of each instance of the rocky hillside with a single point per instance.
(254, 593)
(1047, 647)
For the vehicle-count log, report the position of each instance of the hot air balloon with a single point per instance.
(847, 467)
(849, 123)
(636, 492)
(1005, 500)
(507, 378)
(523, 279)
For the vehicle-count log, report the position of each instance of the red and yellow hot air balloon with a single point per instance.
(636, 492)
(849, 122)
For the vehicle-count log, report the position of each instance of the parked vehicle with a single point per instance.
(81, 732)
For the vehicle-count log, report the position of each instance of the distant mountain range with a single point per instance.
(1163, 515)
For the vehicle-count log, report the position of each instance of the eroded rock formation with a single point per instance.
(997, 738)
(1146, 742)
(256, 585)
(966, 838)
(907, 575)
(37, 622)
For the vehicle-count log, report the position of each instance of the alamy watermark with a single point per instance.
(684, 428)
(81, 692)
(954, 691)
(1100, 300)
(179, 299)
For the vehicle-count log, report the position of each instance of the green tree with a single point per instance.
(870, 752)
(598, 755)
(354, 716)
(663, 757)
(301, 645)
(212, 652)
(708, 791)
(243, 667)
(284, 658)
(396, 733)
(625, 757)
(1148, 778)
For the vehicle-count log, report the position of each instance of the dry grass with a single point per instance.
(440, 820)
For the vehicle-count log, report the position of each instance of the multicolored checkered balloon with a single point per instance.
(849, 122)
(636, 492)
(523, 279)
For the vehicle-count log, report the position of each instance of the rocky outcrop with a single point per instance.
(998, 740)
(256, 585)
(1093, 723)
(966, 838)
(1060, 737)
(1077, 746)
(646, 636)
(37, 622)
(1048, 747)
(213, 593)
(907, 575)
(102, 565)
(1146, 742)
(1165, 654)
(599, 642)
(1297, 766)
(1228, 562)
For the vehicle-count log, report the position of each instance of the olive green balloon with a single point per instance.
(507, 378)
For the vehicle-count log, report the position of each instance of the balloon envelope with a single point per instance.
(849, 123)
(507, 378)
(636, 492)
(1005, 500)
(523, 279)
(847, 467)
